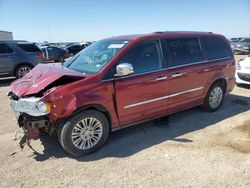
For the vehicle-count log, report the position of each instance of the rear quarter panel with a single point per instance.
(223, 69)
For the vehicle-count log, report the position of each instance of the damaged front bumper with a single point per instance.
(32, 127)
(32, 115)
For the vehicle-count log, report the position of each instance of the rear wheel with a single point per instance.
(214, 98)
(84, 133)
(22, 70)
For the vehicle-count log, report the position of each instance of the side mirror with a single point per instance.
(124, 69)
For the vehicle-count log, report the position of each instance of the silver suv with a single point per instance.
(18, 57)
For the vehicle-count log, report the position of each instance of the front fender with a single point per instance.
(66, 105)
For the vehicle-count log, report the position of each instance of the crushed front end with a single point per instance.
(32, 115)
(38, 109)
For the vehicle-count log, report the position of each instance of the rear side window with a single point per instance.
(216, 48)
(183, 51)
(4, 49)
(29, 47)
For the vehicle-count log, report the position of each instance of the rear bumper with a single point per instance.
(230, 85)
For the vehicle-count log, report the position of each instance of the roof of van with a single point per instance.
(162, 33)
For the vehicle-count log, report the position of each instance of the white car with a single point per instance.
(243, 71)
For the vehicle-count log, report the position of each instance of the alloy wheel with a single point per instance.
(87, 133)
(23, 71)
(215, 97)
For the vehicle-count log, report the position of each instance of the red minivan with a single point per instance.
(122, 81)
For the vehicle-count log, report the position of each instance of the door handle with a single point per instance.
(161, 78)
(177, 75)
(207, 69)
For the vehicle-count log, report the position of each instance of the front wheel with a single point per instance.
(84, 133)
(214, 98)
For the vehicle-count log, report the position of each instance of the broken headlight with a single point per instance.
(43, 107)
(32, 106)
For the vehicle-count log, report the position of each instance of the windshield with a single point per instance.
(93, 58)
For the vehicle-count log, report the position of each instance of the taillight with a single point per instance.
(41, 55)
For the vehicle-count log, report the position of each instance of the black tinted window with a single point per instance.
(216, 48)
(4, 49)
(77, 47)
(182, 51)
(29, 47)
(144, 57)
(43, 50)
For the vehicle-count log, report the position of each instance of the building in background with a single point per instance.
(6, 35)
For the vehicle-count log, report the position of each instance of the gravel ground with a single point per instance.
(195, 149)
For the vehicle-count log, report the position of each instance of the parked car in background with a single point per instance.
(74, 49)
(123, 81)
(242, 46)
(231, 40)
(53, 53)
(68, 44)
(17, 58)
(243, 71)
(86, 44)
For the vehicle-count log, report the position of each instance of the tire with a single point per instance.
(22, 70)
(59, 132)
(214, 97)
(78, 137)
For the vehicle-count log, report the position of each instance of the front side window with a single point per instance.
(93, 58)
(183, 51)
(216, 48)
(144, 57)
(4, 49)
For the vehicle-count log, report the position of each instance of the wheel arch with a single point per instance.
(21, 64)
(97, 107)
(220, 77)
(205, 105)
(222, 81)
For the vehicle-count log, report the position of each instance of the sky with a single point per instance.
(81, 20)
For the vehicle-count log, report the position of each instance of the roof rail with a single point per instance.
(198, 32)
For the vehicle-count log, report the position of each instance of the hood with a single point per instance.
(42, 76)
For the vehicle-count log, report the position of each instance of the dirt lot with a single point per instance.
(195, 149)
